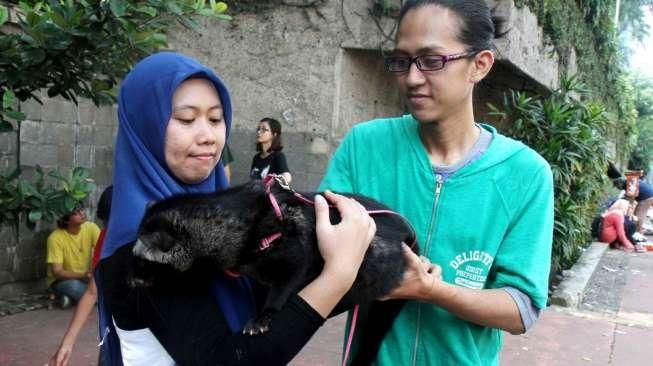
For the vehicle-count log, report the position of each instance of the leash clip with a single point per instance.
(283, 183)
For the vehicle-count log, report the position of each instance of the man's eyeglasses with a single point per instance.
(423, 63)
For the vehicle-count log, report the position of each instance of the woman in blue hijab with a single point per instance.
(174, 119)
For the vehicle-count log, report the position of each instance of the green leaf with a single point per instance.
(78, 195)
(199, 4)
(223, 16)
(8, 99)
(35, 216)
(119, 7)
(206, 12)
(15, 115)
(219, 7)
(174, 8)
(188, 22)
(4, 15)
(147, 10)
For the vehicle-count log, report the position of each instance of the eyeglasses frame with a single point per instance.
(445, 59)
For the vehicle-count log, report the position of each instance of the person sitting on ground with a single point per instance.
(70, 247)
(87, 301)
(612, 230)
(269, 159)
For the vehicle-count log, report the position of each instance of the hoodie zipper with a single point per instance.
(438, 190)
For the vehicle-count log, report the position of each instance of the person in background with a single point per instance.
(69, 251)
(269, 158)
(613, 229)
(87, 301)
(443, 170)
(644, 198)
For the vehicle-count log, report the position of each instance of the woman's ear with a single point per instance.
(483, 62)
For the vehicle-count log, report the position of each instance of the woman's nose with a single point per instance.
(206, 134)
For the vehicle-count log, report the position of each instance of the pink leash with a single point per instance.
(350, 338)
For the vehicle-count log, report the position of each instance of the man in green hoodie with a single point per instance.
(481, 203)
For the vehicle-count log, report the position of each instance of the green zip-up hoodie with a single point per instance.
(490, 225)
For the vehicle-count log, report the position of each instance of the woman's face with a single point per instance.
(196, 131)
(264, 133)
(434, 95)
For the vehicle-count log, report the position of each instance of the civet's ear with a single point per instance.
(149, 205)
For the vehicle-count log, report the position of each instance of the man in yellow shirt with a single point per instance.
(70, 248)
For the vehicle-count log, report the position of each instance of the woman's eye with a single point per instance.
(215, 120)
(185, 121)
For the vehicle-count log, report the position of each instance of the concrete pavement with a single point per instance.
(614, 332)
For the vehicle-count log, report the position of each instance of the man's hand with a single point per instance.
(420, 280)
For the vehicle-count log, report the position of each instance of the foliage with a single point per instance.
(625, 130)
(569, 133)
(48, 197)
(82, 48)
(587, 26)
(631, 17)
(642, 155)
(257, 6)
(74, 49)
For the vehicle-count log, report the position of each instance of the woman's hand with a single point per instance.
(421, 279)
(62, 356)
(343, 245)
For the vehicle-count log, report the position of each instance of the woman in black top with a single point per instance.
(169, 141)
(269, 159)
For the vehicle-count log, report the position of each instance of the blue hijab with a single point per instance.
(140, 174)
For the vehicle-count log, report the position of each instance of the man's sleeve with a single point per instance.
(524, 259)
(339, 176)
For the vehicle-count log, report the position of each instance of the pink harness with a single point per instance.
(266, 242)
(269, 181)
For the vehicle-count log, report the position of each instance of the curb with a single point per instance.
(571, 290)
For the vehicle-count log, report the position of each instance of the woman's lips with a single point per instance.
(203, 156)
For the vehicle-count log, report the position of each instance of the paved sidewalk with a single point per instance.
(613, 326)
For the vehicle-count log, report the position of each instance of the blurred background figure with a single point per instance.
(226, 159)
(69, 251)
(269, 159)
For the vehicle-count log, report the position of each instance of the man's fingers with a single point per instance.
(411, 257)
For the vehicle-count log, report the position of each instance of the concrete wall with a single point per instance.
(317, 70)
